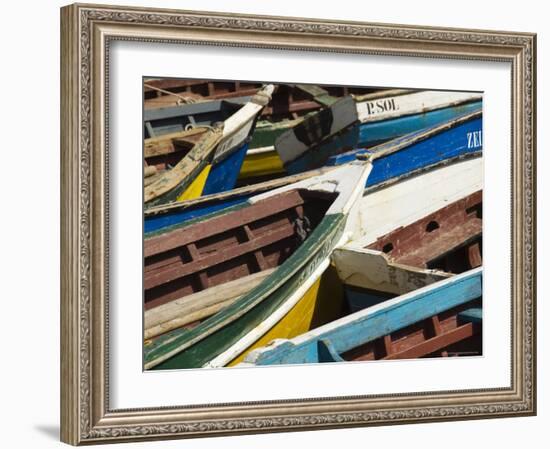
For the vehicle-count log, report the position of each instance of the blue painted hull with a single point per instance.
(369, 134)
(446, 145)
(377, 132)
(223, 174)
(327, 343)
(155, 223)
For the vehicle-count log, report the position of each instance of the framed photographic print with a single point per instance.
(279, 224)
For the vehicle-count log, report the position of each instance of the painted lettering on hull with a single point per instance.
(379, 106)
(475, 139)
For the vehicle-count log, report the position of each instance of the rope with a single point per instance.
(167, 92)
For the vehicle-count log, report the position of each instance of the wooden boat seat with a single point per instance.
(448, 239)
(167, 150)
(196, 307)
(433, 248)
(423, 339)
(230, 246)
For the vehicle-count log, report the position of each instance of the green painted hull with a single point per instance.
(267, 132)
(194, 348)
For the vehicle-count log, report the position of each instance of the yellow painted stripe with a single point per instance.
(295, 322)
(321, 304)
(261, 164)
(196, 187)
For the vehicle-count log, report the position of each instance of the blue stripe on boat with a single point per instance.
(445, 145)
(161, 221)
(223, 174)
(373, 133)
(448, 144)
(327, 345)
(369, 134)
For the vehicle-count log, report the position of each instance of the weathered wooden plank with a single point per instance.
(149, 171)
(279, 203)
(436, 235)
(434, 344)
(169, 273)
(165, 144)
(191, 308)
(442, 243)
(373, 270)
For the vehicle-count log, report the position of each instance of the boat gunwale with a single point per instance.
(369, 313)
(167, 208)
(475, 98)
(358, 125)
(407, 140)
(439, 165)
(266, 185)
(304, 254)
(197, 157)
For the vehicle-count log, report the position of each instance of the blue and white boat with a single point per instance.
(213, 163)
(400, 157)
(457, 137)
(364, 123)
(392, 329)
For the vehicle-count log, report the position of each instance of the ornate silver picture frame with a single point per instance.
(87, 33)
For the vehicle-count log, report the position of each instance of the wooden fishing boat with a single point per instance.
(292, 98)
(202, 103)
(417, 255)
(443, 318)
(285, 111)
(166, 92)
(262, 160)
(289, 103)
(291, 230)
(162, 218)
(442, 243)
(399, 159)
(373, 121)
(186, 103)
(337, 293)
(209, 164)
(455, 138)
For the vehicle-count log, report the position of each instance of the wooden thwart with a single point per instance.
(439, 235)
(421, 339)
(249, 240)
(198, 306)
